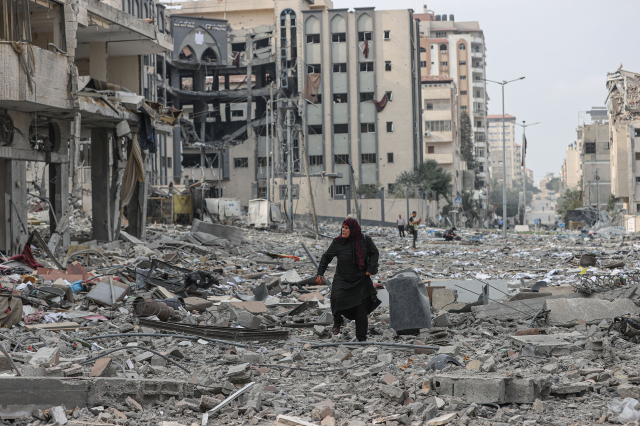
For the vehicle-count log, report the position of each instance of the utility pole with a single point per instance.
(524, 170)
(598, 190)
(289, 171)
(269, 120)
(306, 167)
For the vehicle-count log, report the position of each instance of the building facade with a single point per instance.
(458, 50)
(572, 167)
(441, 136)
(596, 162)
(495, 147)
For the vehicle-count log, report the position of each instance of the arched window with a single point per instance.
(283, 18)
(136, 8)
(443, 47)
(186, 54)
(209, 55)
(423, 50)
(145, 11)
(462, 47)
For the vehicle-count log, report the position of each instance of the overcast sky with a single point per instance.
(564, 48)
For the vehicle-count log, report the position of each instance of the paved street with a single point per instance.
(543, 209)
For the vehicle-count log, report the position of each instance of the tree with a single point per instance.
(553, 184)
(369, 190)
(513, 199)
(466, 144)
(611, 204)
(570, 200)
(470, 206)
(427, 175)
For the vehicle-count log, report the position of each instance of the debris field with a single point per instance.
(217, 324)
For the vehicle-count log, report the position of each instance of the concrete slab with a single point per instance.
(494, 388)
(569, 311)
(509, 310)
(548, 343)
(470, 290)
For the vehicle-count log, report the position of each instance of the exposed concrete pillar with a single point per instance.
(101, 199)
(137, 207)
(177, 155)
(13, 215)
(59, 196)
(98, 60)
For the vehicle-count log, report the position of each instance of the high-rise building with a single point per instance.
(457, 50)
(495, 147)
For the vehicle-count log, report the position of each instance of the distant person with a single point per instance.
(500, 223)
(542, 208)
(400, 225)
(413, 224)
(450, 234)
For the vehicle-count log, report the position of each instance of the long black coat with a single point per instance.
(350, 284)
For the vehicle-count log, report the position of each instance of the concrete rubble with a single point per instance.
(239, 333)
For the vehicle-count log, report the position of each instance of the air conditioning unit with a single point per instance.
(427, 133)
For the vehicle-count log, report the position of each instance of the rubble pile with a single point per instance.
(215, 324)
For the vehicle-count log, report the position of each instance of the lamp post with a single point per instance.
(524, 174)
(504, 157)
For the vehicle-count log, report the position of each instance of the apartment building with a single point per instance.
(624, 135)
(572, 167)
(458, 50)
(331, 82)
(596, 161)
(495, 147)
(441, 116)
(73, 73)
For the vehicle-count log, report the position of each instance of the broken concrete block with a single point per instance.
(133, 404)
(629, 391)
(46, 356)
(569, 311)
(387, 358)
(474, 365)
(239, 373)
(74, 371)
(449, 350)
(505, 311)
(442, 298)
(292, 421)
(409, 307)
(549, 344)
(393, 393)
(245, 318)
(442, 420)
(442, 321)
(58, 415)
(497, 389)
(570, 388)
(100, 367)
(54, 372)
(538, 405)
(5, 363)
(489, 365)
(342, 354)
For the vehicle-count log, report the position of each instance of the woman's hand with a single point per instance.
(319, 280)
(368, 273)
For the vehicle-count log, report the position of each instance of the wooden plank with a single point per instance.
(54, 326)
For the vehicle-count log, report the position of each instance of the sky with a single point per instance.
(563, 48)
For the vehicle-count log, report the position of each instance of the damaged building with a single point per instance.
(78, 93)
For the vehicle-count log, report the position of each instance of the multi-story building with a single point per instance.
(457, 50)
(441, 116)
(596, 170)
(338, 88)
(624, 125)
(495, 147)
(73, 72)
(572, 167)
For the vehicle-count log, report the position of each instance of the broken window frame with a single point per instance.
(241, 162)
(365, 35)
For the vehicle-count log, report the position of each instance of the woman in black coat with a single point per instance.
(352, 293)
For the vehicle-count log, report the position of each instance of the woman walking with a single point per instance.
(352, 294)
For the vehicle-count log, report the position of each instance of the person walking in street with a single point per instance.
(352, 293)
(400, 225)
(413, 227)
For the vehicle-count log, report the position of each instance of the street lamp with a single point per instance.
(504, 157)
(524, 174)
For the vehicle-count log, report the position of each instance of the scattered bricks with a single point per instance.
(46, 356)
(393, 393)
(54, 372)
(100, 367)
(58, 415)
(527, 332)
(133, 404)
(74, 371)
(449, 350)
(442, 420)
(474, 365)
